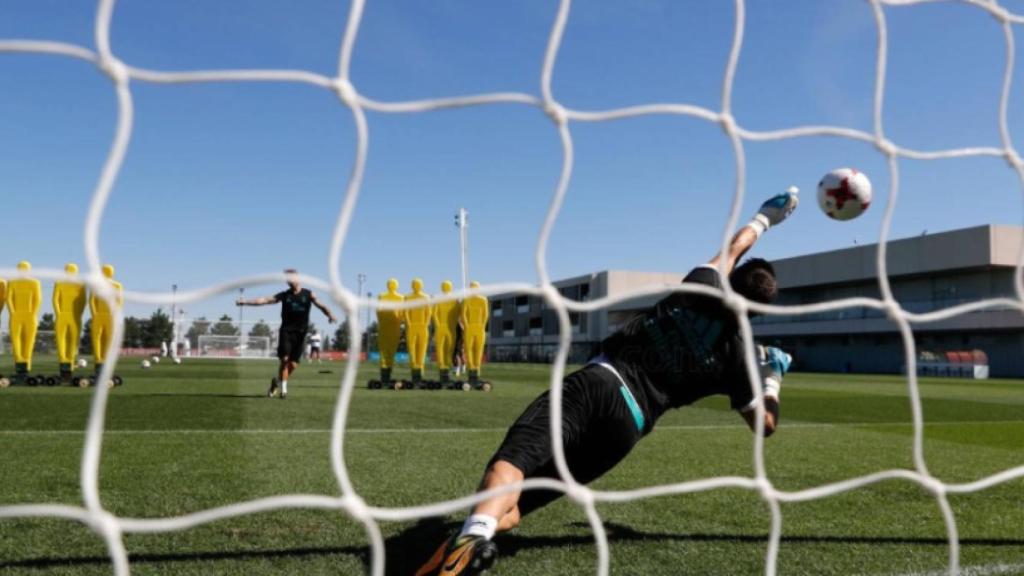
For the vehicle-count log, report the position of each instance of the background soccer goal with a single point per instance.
(211, 346)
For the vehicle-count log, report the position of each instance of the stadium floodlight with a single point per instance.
(361, 278)
(462, 223)
(174, 320)
(241, 324)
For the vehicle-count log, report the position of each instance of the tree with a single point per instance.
(370, 337)
(46, 323)
(341, 337)
(224, 327)
(200, 327)
(133, 332)
(261, 329)
(85, 346)
(157, 330)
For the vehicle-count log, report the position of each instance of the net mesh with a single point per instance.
(121, 74)
(212, 346)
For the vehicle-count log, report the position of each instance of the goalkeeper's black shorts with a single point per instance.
(290, 344)
(599, 428)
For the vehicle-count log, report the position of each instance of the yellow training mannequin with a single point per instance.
(24, 295)
(446, 323)
(417, 328)
(103, 318)
(389, 329)
(475, 313)
(69, 297)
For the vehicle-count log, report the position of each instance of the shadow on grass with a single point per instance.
(200, 395)
(407, 550)
(136, 559)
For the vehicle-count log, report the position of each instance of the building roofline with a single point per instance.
(975, 247)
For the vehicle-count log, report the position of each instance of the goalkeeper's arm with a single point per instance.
(772, 212)
(771, 416)
(773, 364)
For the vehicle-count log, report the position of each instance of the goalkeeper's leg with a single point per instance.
(598, 431)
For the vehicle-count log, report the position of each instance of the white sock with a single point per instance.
(284, 386)
(480, 525)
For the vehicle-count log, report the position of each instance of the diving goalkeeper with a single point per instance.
(685, 348)
(296, 303)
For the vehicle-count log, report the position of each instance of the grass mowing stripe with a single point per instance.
(190, 437)
(985, 570)
(495, 429)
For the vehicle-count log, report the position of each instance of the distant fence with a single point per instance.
(953, 364)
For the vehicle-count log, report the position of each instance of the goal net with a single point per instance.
(126, 75)
(213, 346)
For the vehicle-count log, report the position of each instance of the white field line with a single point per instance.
(981, 570)
(480, 430)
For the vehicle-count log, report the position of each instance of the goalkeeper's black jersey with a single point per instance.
(295, 309)
(686, 347)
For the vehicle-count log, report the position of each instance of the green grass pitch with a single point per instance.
(185, 438)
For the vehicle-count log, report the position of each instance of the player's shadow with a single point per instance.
(204, 395)
(406, 551)
(509, 545)
(409, 549)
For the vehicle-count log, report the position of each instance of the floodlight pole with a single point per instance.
(241, 331)
(369, 296)
(361, 278)
(174, 320)
(462, 223)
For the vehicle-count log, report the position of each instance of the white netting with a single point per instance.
(112, 528)
(213, 346)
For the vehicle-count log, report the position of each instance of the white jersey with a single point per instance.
(314, 340)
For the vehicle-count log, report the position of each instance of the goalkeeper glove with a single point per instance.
(775, 210)
(774, 365)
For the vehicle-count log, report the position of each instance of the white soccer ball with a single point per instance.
(155, 359)
(844, 194)
(145, 364)
(177, 360)
(82, 362)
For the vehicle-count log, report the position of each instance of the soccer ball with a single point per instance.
(82, 362)
(844, 194)
(155, 359)
(145, 364)
(177, 360)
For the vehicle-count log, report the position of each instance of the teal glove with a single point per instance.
(775, 210)
(774, 365)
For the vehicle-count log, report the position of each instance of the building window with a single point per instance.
(497, 312)
(536, 326)
(578, 326)
(585, 291)
(508, 329)
(522, 304)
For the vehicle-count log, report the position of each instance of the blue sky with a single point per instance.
(224, 180)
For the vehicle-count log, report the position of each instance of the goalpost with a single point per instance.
(124, 75)
(213, 346)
